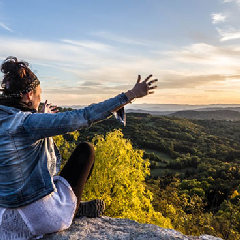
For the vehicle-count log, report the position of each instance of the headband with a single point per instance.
(30, 86)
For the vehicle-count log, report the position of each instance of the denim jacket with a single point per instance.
(27, 149)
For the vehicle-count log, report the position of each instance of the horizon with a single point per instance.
(91, 52)
(134, 104)
(167, 107)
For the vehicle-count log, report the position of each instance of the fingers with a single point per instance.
(144, 88)
(152, 81)
(153, 87)
(53, 108)
(139, 79)
(148, 78)
(49, 108)
(55, 111)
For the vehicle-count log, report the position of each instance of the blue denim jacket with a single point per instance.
(27, 148)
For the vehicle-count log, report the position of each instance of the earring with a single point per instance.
(29, 104)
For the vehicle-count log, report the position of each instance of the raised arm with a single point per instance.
(41, 125)
(140, 89)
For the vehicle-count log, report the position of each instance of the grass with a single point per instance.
(160, 172)
(161, 155)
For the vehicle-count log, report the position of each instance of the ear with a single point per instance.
(28, 96)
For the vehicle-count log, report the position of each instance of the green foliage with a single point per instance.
(193, 187)
(203, 155)
(195, 150)
(186, 210)
(65, 146)
(118, 178)
(227, 220)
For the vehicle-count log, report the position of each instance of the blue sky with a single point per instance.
(88, 51)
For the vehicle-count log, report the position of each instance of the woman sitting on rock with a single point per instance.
(33, 199)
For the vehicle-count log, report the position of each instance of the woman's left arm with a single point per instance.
(41, 125)
(139, 90)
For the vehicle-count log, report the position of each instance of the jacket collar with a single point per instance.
(9, 109)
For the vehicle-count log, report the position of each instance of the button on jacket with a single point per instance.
(28, 156)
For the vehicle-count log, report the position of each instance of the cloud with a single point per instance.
(229, 1)
(90, 83)
(86, 76)
(119, 38)
(192, 81)
(69, 61)
(218, 18)
(100, 89)
(39, 50)
(229, 34)
(88, 44)
(59, 55)
(4, 26)
(206, 57)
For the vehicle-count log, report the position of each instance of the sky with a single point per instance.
(84, 52)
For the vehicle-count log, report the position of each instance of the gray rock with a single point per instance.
(118, 229)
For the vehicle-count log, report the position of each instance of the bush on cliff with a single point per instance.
(118, 177)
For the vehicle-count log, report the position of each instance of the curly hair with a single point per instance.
(18, 78)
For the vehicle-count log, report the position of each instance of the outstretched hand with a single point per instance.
(49, 108)
(143, 88)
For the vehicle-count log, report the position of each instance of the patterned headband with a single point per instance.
(31, 86)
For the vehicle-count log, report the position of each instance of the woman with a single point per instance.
(33, 199)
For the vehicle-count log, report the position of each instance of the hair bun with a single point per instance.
(12, 66)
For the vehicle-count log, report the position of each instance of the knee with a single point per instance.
(87, 148)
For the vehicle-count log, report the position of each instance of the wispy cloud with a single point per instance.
(108, 66)
(56, 54)
(88, 44)
(4, 26)
(218, 18)
(85, 75)
(192, 81)
(209, 56)
(235, 1)
(118, 38)
(229, 34)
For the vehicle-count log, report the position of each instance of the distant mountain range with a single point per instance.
(209, 115)
(212, 111)
(205, 112)
(170, 107)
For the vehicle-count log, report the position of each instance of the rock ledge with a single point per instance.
(117, 228)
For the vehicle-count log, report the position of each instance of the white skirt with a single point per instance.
(52, 213)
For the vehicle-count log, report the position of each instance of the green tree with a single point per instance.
(66, 147)
(119, 178)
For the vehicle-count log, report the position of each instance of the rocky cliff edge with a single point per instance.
(116, 229)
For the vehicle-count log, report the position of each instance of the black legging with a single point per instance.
(79, 168)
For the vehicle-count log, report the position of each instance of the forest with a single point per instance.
(182, 174)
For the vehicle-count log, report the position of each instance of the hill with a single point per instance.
(184, 148)
(229, 115)
(195, 173)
